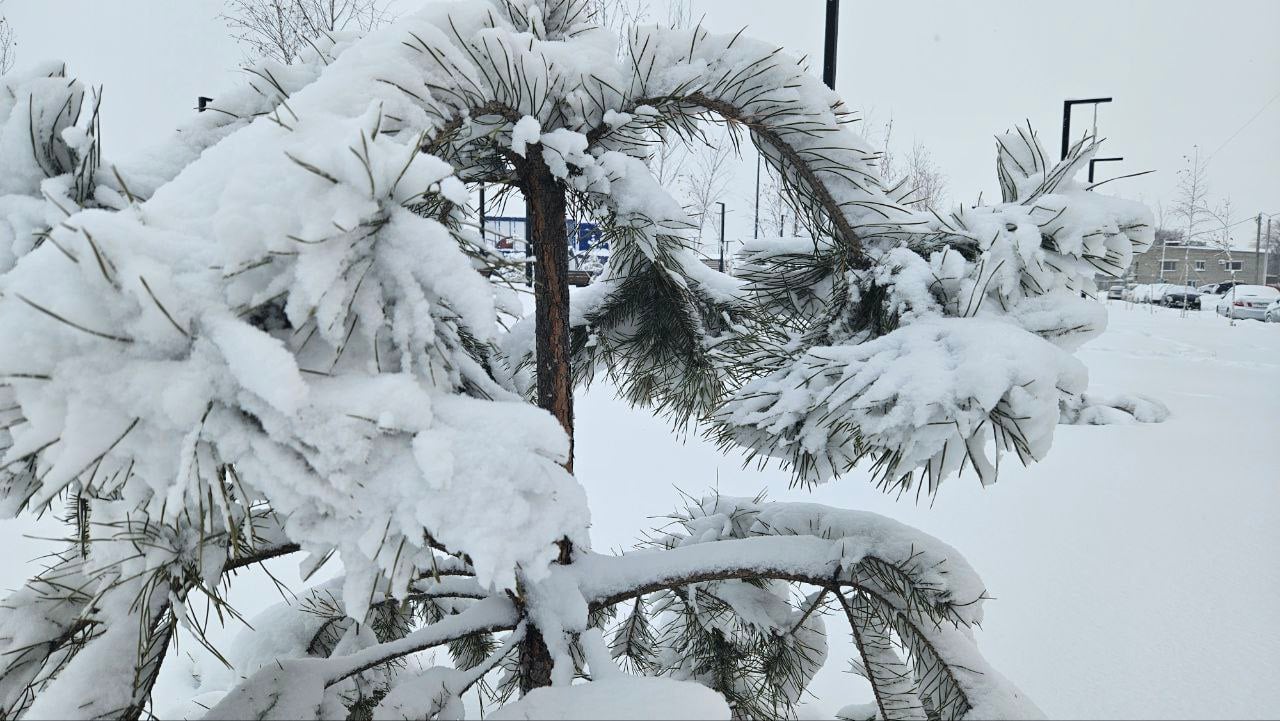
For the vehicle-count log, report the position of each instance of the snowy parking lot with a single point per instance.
(1134, 571)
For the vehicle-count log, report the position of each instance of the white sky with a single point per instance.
(952, 75)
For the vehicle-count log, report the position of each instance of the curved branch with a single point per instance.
(286, 688)
(774, 139)
(610, 580)
(259, 555)
(455, 124)
(491, 615)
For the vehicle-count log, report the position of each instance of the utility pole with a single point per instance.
(1266, 256)
(1257, 250)
(483, 236)
(1067, 105)
(833, 40)
(722, 240)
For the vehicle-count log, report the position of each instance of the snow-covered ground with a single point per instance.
(1135, 571)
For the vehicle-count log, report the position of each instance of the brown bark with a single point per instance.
(536, 663)
(547, 212)
(547, 217)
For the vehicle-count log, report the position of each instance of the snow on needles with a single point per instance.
(276, 309)
(266, 335)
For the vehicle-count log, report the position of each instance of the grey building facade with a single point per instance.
(1196, 265)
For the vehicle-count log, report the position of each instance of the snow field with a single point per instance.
(1131, 570)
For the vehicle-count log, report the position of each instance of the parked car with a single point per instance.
(1181, 297)
(1248, 301)
(1218, 288)
(1116, 292)
(1273, 313)
(1159, 290)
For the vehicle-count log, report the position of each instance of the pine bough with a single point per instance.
(277, 332)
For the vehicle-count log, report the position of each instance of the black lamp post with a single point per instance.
(833, 38)
(1066, 119)
(722, 242)
(1095, 161)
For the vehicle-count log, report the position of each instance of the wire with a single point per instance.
(1242, 127)
(1250, 219)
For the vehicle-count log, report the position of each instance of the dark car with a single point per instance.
(1182, 297)
(1219, 288)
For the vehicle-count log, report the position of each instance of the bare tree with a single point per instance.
(280, 29)
(1220, 237)
(916, 170)
(773, 205)
(679, 14)
(1190, 205)
(667, 162)
(924, 177)
(8, 46)
(619, 16)
(706, 176)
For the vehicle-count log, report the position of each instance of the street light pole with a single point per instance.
(722, 242)
(1100, 160)
(833, 39)
(1067, 105)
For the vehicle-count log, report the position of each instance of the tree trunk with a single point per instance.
(545, 201)
(536, 663)
(549, 235)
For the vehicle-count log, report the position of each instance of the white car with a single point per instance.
(1273, 313)
(1248, 301)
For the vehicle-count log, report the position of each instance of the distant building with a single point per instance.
(508, 235)
(1171, 261)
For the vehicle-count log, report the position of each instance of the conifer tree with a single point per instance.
(277, 334)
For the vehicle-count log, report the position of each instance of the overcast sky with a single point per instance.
(950, 74)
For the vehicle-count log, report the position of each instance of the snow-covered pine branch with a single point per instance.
(273, 334)
(188, 363)
(896, 355)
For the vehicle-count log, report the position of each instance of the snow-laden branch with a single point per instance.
(294, 689)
